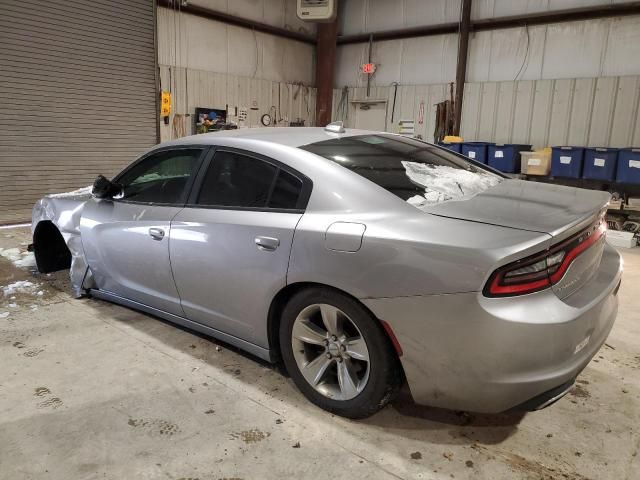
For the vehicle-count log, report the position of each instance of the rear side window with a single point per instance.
(415, 171)
(237, 180)
(286, 192)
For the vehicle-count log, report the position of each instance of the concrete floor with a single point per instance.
(93, 390)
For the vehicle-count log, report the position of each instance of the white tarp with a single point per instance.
(442, 183)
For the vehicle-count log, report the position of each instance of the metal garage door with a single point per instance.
(77, 94)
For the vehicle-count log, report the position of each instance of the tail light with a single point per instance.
(540, 271)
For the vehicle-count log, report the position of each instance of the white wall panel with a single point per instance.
(598, 112)
(581, 106)
(603, 111)
(389, 55)
(358, 16)
(426, 62)
(625, 112)
(278, 13)
(523, 111)
(604, 47)
(471, 111)
(351, 17)
(505, 112)
(197, 43)
(384, 15)
(505, 8)
(515, 54)
(348, 61)
(488, 110)
(560, 111)
(432, 12)
(541, 113)
(575, 49)
(623, 47)
(422, 60)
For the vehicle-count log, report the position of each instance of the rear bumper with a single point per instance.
(468, 352)
(546, 399)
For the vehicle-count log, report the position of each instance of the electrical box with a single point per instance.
(165, 104)
(317, 10)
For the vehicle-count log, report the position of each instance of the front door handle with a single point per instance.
(267, 243)
(156, 233)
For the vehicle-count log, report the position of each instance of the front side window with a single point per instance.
(161, 177)
(237, 180)
(420, 173)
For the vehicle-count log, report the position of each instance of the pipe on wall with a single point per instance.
(325, 68)
(461, 67)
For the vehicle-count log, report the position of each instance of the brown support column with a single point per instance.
(461, 69)
(325, 67)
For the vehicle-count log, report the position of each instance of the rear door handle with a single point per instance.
(156, 233)
(267, 243)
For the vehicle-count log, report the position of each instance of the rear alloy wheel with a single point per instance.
(337, 354)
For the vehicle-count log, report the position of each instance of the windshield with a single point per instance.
(417, 172)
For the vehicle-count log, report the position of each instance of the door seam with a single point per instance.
(293, 238)
(171, 262)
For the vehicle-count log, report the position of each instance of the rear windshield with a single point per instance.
(418, 172)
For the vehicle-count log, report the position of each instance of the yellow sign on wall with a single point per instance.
(165, 104)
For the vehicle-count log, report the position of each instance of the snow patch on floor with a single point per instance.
(18, 258)
(73, 193)
(443, 183)
(28, 260)
(21, 286)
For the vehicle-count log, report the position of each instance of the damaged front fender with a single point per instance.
(65, 212)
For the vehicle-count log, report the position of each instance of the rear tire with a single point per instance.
(337, 353)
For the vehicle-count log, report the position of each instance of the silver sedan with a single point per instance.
(361, 260)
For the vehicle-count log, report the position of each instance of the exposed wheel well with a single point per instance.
(49, 248)
(281, 299)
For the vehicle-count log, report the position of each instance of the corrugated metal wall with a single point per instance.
(567, 83)
(594, 48)
(600, 112)
(210, 64)
(217, 90)
(407, 106)
(361, 16)
(79, 97)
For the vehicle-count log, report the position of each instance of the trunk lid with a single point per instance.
(562, 212)
(536, 207)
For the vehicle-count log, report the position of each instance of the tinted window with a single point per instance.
(235, 180)
(401, 165)
(286, 192)
(161, 177)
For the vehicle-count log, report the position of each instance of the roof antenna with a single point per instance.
(335, 127)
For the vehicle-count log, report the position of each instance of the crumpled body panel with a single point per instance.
(65, 211)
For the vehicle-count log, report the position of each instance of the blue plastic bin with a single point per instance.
(506, 157)
(600, 163)
(566, 161)
(628, 165)
(476, 150)
(454, 147)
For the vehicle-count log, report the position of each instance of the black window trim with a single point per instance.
(207, 151)
(303, 199)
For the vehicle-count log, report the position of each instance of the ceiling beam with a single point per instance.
(237, 21)
(543, 18)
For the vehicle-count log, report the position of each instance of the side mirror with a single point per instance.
(105, 188)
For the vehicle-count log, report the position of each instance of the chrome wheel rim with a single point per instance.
(330, 352)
